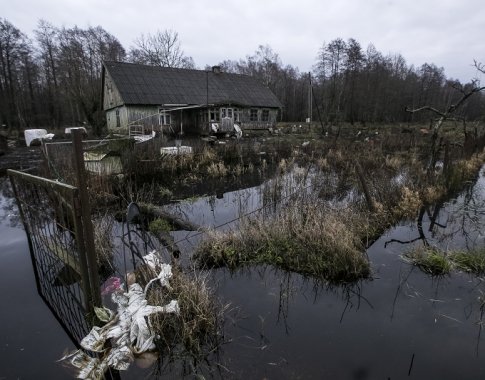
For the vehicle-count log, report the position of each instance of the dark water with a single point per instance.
(403, 324)
(30, 337)
(399, 323)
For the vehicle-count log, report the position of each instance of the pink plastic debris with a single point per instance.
(111, 285)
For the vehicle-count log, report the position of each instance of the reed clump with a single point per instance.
(472, 261)
(434, 261)
(196, 331)
(301, 237)
(430, 260)
(217, 169)
(408, 204)
(103, 230)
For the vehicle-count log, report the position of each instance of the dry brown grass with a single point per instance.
(302, 237)
(197, 331)
(408, 205)
(217, 169)
(103, 242)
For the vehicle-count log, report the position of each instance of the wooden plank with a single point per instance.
(63, 255)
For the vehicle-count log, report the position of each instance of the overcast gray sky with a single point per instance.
(448, 33)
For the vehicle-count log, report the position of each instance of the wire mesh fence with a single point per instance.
(51, 213)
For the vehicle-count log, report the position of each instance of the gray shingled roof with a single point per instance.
(153, 85)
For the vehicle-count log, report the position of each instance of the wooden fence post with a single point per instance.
(78, 158)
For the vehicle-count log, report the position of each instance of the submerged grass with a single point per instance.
(307, 234)
(430, 260)
(470, 261)
(437, 262)
(301, 237)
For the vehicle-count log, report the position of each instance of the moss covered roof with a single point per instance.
(154, 85)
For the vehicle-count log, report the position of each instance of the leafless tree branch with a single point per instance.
(479, 66)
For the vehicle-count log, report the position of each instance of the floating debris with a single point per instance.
(129, 329)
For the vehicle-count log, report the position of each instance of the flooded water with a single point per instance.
(402, 324)
(31, 338)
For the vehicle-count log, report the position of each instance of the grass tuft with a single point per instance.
(158, 226)
(471, 261)
(197, 331)
(302, 238)
(429, 260)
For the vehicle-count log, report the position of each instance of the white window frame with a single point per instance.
(214, 115)
(164, 117)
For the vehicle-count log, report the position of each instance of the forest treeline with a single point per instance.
(53, 79)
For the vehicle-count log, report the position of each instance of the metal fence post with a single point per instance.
(78, 158)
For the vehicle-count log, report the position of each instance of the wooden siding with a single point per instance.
(111, 95)
(247, 123)
(148, 117)
(132, 115)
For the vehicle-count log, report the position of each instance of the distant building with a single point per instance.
(181, 100)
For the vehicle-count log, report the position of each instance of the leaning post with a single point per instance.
(86, 216)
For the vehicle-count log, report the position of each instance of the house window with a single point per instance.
(227, 112)
(118, 121)
(214, 114)
(265, 115)
(236, 115)
(165, 118)
(253, 114)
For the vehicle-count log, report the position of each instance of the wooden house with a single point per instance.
(140, 98)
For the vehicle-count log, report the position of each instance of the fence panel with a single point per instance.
(51, 213)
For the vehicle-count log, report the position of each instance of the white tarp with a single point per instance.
(36, 134)
(68, 131)
(173, 150)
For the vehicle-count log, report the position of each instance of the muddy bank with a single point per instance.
(20, 158)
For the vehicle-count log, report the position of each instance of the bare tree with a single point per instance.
(450, 113)
(479, 66)
(48, 59)
(81, 53)
(329, 70)
(161, 49)
(14, 55)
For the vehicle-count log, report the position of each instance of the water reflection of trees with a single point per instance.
(292, 284)
(459, 221)
(8, 204)
(457, 224)
(473, 310)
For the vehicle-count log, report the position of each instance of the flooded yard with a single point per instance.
(401, 324)
(390, 321)
(31, 337)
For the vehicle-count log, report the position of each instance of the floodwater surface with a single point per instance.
(31, 340)
(403, 324)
